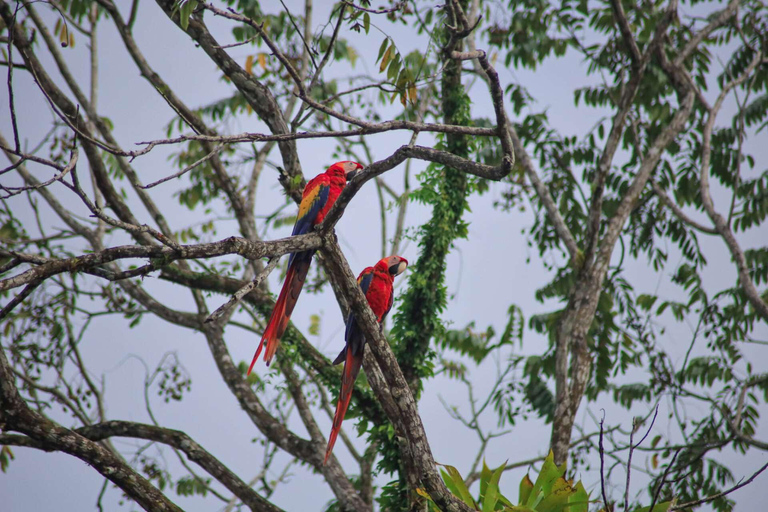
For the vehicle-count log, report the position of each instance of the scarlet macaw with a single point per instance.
(376, 283)
(318, 198)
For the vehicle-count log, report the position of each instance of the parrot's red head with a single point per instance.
(394, 265)
(348, 169)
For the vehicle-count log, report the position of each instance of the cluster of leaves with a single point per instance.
(174, 380)
(185, 486)
(402, 71)
(551, 492)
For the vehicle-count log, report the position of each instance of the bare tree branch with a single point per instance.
(15, 415)
(231, 245)
(174, 438)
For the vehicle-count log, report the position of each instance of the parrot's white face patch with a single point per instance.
(396, 265)
(351, 169)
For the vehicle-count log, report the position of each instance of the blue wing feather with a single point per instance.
(353, 334)
(306, 220)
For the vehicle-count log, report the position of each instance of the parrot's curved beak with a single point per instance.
(399, 267)
(352, 169)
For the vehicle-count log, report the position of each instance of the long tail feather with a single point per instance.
(351, 369)
(286, 301)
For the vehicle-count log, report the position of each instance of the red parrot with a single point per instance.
(376, 283)
(319, 196)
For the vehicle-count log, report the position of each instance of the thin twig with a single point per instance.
(663, 480)
(303, 40)
(601, 451)
(242, 292)
(58, 177)
(396, 8)
(721, 494)
(656, 413)
(11, 103)
(188, 168)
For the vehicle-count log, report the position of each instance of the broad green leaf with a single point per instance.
(449, 483)
(491, 496)
(485, 477)
(579, 500)
(526, 486)
(545, 481)
(458, 484)
(556, 499)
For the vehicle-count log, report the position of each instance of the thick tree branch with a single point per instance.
(721, 224)
(399, 156)
(175, 438)
(15, 415)
(231, 245)
(625, 105)
(258, 96)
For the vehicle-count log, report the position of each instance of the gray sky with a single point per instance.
(486, 274)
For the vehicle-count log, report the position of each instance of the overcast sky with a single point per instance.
(487, 273)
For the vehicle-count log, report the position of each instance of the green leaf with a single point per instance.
(6, 456)
(186, 12)
(485, 477)
(314, 325)
(457, 482)
(546, 480)
(366, 22)
(557, 498)
(579, 500)
(382, 48)
(491, 496)
(526, 486)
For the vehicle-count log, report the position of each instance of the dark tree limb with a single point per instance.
(231, 245)
(258, 96)
(175, 438)
(16, 416)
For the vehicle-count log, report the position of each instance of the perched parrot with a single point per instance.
(318, 198)
(376, 283)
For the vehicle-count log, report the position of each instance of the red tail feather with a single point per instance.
(351, 369)
(278, 322)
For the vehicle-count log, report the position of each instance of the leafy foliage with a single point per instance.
(550, 492)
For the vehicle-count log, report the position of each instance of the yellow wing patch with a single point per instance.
(308, 200)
